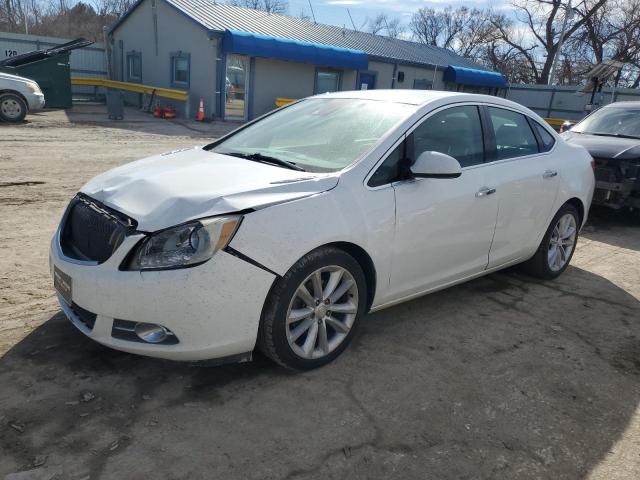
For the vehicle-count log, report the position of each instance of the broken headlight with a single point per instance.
(185, 245)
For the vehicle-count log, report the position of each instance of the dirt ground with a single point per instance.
(503, 377)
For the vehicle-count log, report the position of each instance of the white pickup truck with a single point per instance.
(18, 96)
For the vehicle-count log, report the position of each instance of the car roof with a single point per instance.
(424, 97)
(629, 104)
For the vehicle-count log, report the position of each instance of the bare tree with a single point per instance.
(542, 20)
(384, 23)
(270, 6)
(612, 32)
(463, 30)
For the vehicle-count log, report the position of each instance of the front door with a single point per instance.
(367, 81)
(444, 227)
(236, 87)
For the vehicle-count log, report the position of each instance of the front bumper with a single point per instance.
(213, 309)
(36, 101)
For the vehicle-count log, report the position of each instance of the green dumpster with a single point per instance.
(50, 68)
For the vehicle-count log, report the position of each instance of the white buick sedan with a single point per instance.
(286, 232)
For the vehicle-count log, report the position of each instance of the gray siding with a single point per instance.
(175, 33)
(563, 102)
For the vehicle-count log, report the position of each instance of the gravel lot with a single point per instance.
(503, 377)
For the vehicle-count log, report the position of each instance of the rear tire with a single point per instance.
(557, 246)
(314, 310)
(12, 108)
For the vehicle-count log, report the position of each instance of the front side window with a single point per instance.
(134, 67)
(327, 81)
(318, 134)
(514, 137)
(389, 171)
(180, 69)
(456, 131)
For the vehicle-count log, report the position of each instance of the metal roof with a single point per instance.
(220, 17)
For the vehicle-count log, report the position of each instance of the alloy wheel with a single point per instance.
(322, 312)
(562, 242)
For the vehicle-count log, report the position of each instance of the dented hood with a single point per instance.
(172, 188)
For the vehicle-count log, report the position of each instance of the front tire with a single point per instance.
(558, 245)
(12, 108)
(314, 310)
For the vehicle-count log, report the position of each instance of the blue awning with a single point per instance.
(472, 76)
(255, 44)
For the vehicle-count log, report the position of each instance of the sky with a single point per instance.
(334, 12)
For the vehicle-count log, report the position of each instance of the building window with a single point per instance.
(327, 81)
(180, 69)
(422, 84)
(134, 66)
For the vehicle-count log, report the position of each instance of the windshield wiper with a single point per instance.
(618, 135)
(259, 157)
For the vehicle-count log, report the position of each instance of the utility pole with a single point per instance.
(567, 16)
(312, 13)
(351, 18)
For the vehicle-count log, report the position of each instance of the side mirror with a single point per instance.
(436, 165)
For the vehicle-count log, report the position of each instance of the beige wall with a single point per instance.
(280, 78)
(276, 78)
(385, 75)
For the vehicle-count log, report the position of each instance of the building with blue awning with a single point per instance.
(241, 61)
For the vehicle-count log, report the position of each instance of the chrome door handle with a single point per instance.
(484, 191)
(549, 174)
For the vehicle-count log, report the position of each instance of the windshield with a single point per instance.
(318, 134)
(614, 121)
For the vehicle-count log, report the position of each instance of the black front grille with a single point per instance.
(85, 316)
(92, 231)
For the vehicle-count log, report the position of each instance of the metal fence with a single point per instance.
(564, 102)
(85, 62)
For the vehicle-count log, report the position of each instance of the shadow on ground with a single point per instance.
(139, 121)
(620, 228)
(500, 378)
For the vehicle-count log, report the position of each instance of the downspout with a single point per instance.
(433, 80)
(393, 78)
(249, 96)
(220, 76)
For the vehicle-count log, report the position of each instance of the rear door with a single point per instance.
(526, 181)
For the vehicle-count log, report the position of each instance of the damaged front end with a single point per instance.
(617, 183)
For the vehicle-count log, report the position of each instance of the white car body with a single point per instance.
(20, 85)
(416, 235)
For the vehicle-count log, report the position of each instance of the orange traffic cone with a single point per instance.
(200, 116)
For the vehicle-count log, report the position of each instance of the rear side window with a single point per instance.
(514, 137)
(546, 138)
(456, 131)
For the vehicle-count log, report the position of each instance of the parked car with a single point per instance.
(18, 96)
(612, 136)
(287, 231)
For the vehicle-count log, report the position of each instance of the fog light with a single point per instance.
(151, 333)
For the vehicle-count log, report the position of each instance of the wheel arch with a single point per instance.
(18, 94)
(578, 205)
(364, 259)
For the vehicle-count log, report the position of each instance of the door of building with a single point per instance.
(367, 81)
(236, 87)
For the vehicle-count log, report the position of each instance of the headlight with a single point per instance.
(185, 245)
(33, 87)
